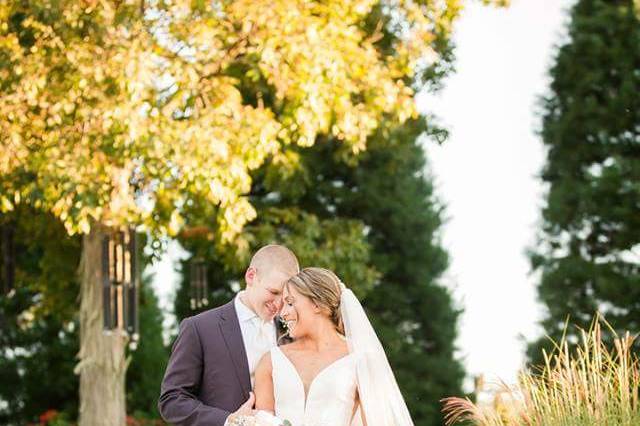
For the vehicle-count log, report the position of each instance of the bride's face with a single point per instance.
(298, 312)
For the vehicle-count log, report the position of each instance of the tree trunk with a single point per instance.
(103, 363)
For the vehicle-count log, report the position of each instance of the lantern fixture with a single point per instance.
(120, 283)
(7, 258)
(198, 285)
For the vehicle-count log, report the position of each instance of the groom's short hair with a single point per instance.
(275, 256)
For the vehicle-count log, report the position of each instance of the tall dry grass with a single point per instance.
(592, 385)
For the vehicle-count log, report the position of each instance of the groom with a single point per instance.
(211, 369)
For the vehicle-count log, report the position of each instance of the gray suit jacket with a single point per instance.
(207, 377)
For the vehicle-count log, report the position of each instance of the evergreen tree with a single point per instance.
(588, 256)
(39, 339)
(413, 311)
(149, 359)
(36, 366)
(388, 198)
(391, 192)
(374, 219)
(336, 243)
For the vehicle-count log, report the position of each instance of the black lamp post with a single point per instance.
(120, 283)
(7, 258)
(198, 286)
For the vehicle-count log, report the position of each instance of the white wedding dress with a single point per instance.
(331, 396)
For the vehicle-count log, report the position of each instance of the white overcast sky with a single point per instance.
(485, 173)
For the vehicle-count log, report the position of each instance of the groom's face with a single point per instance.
(264, 289)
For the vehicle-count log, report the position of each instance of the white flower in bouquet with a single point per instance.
(267, 419)
(261, 418)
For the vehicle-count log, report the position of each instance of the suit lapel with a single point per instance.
(230, 328)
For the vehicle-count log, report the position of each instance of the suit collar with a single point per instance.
(243, 311)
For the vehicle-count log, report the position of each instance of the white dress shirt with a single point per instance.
(258, 336)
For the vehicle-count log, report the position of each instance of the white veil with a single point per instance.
(380, 397)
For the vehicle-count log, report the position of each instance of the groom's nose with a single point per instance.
(279, 304)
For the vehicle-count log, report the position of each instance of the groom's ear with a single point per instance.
(250, 276)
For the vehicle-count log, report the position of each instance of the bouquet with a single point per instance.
(261, 418)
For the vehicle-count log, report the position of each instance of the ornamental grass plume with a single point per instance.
(589, 385)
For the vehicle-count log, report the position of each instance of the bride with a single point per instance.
(335, 373)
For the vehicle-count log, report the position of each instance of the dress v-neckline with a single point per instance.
(307, 392)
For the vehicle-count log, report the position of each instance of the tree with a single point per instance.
(149, 360)
(414, 311)
(39, 322)
(121, 113)
(335, 243)
(385, 198)
(391, 257)
(39, 326)
(587, 257)
(391, 194)
(37, 361)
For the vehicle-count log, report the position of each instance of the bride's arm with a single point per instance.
(264, 385)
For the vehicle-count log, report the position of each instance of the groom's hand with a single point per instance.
(246, 409)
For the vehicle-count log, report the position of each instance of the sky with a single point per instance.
(486, 175)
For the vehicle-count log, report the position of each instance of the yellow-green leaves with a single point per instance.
(116, 114)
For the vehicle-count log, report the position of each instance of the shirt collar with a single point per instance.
(244, 312)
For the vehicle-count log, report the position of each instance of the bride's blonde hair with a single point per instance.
(324, 288)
